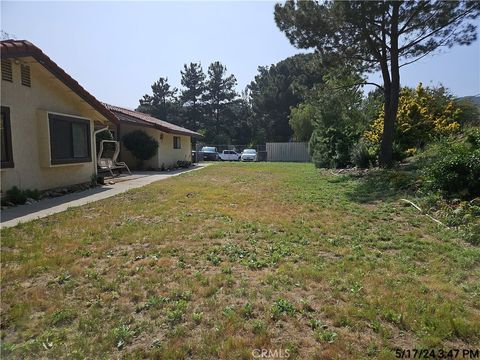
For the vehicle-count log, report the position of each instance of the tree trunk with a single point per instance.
(392, 94)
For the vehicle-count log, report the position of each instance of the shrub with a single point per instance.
(362, 156)
(32, 194)
(455, 170)
(141, 145)
(398, 154)
(184, 164)
(332, 147)
(424, 114)
(19, 197)
(16, 196)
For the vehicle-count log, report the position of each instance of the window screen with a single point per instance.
(69, 139)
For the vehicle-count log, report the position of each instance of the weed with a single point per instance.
(259, 327)
(282, 307)
(63, 317)
(228, 311)
(315, 324)
(155, 301)
(214, 258)
(197, 317)
(247, 311)
(326, 336)
(63, 278)
(122, 335)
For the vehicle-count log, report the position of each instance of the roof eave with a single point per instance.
(29, 49)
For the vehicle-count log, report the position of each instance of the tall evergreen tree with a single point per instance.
(220, 91)
(161, 102)
(278, 88)
(193, 81)
(379, 35)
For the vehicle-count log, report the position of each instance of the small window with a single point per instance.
(6, 139)
(7, 74)
(69, 139)
(177, 142)
(25, 72)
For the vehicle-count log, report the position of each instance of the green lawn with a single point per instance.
(236, 257)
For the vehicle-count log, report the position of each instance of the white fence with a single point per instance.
(288, 151)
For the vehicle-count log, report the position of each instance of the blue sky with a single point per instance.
(117, 49)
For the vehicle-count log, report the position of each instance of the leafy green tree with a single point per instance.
(470, 110)
(193, 81)
(160, 103)
(301, 121)
(338, 120)
(383, 36)
(278, 88)
(238, 114)
(219, 93)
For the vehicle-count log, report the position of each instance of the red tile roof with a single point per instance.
(132, 116)
(24, 48)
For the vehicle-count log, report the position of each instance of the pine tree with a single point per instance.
(220, 92)
(193, 81)
(161, 102)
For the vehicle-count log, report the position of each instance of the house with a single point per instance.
(174, 141)
(47, 122)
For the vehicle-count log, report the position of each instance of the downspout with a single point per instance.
(95, 146)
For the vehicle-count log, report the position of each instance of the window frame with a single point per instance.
(8, 139)
(179, 142)
(71, 120)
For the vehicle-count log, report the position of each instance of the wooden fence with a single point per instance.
(288, 151)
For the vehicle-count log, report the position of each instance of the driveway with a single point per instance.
(23, 213)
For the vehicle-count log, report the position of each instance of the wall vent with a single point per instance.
(25, 71)
(7, 74)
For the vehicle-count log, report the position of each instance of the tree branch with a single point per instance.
(415, 13)
(357, 84)
(423, 37)
(427, 53)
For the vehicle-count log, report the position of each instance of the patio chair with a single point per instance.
(108, 155)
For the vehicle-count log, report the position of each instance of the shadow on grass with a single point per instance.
(383, 185)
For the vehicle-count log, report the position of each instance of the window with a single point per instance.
(177, 142)
(6, 139)
(25, 75)
(7, 74)
(69, 139)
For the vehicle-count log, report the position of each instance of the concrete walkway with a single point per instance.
(23, 213)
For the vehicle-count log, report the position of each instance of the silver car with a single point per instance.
(249, 155)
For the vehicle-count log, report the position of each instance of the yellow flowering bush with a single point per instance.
(423, 113)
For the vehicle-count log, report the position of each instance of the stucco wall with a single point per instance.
(29, 127)
(166, 154)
